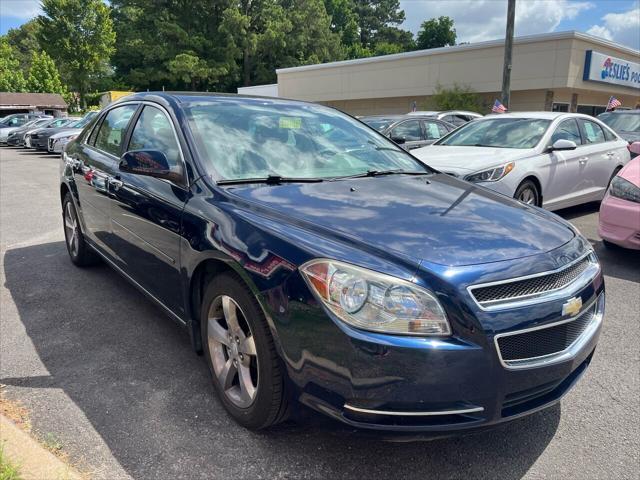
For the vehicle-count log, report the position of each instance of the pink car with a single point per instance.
(620, 209)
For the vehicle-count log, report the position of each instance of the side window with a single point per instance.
(110, 134)
(450, 119)
(444, 129)
(592, 132)
(567, 130)
(154, 132)
(409, 130)
(434, 130)
(460, 119)
(608, 135)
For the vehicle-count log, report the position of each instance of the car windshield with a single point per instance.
(622, 122)
(256, 140)
(378, 123)
(83, 121)
(499, 133)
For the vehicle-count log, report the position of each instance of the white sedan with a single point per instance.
(551, 160)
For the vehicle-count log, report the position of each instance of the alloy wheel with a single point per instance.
(233, 351)
(528, 196)
(71, 229)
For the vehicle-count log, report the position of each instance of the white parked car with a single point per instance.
(553, 160)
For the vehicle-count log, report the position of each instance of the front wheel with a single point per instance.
(238, 346)
(528, 193)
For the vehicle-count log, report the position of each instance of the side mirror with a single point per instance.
(634, 148)
(563, 144)
(399, 140)
(151, 163)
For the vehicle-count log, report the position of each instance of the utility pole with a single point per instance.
(508, 49)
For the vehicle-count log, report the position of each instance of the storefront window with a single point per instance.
(560, 107)
(593, 110)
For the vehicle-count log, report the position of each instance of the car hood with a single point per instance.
(631, 171)
(464, 160)
(437, 218)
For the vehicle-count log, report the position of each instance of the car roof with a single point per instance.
(634, 111)
(538, 115)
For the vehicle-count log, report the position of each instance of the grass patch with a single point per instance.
(8, 471)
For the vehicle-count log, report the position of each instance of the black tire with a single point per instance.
(79, 252)
(269, 405)
(527, 192)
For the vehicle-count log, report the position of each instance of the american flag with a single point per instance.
(498, 107)
(613, 103)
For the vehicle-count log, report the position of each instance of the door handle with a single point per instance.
(115, 183)
(610, 154)
(583, 160)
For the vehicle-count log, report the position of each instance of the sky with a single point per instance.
(475, 20)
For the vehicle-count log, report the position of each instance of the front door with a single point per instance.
(600, 160)
(147, 211)
(408, 134)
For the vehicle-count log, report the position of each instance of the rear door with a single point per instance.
(95, 161)
(147, 211)
(601, 156)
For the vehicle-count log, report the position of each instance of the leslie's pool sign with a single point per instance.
(599, 67)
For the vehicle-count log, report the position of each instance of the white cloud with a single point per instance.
(478, 20)
(620, 27)
(20, 8)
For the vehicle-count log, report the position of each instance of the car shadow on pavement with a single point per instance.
(133, 374)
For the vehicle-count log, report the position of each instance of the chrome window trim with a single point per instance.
(413, 414)
(568, 353)
(549, 295)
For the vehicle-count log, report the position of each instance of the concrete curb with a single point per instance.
(33, 460)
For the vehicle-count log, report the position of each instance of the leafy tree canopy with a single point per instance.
(79, 35)
(458, 97)
(437, 32)
(24, 41)
(44, 76)
(11, 76)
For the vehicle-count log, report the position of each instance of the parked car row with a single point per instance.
(44, 133)
(312, 260)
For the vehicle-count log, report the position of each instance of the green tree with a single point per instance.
(458, 97)
(343, 20)
(24, 40)
(43, 75)
(79, 36)
(437, 32)
(376, 15)
(11, 76)
(192, 70)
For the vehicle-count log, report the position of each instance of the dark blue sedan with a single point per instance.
(312, 260)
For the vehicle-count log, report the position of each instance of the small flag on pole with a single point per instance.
(498, 107)
(613, 103)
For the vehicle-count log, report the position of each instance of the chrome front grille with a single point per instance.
(518, 289)
(549, 343)
(50, 144)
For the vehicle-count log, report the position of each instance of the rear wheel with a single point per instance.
(245, 368)
(79, 252)
(528, 193)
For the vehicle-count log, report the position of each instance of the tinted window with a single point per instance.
(434, 130)
(592, 132)
(622, 122)
(241, 139)
(113, 128)
(378, 123)
(499, 132)
(410, 131)
(444, 129)
(567, 130)
(153, 131)
(449, 119)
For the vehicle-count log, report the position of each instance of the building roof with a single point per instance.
(24, 100)
(470, 46)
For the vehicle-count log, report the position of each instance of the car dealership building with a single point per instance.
(565, 71)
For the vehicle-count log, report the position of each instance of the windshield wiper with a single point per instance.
(380, 173)
(269, 180)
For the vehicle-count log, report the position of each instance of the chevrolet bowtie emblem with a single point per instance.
(572, 306)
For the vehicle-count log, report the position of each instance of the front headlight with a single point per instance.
(624, 189)
(492, 174)
(373, 301)
(65, 140)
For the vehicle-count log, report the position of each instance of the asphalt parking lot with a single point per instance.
(108, 375)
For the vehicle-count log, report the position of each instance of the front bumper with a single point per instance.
(411, 384)
(620, 222)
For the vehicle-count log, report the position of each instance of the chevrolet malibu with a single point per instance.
(547, 159)
(313, 261)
